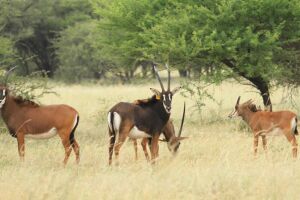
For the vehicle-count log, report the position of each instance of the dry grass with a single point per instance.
(216, 162)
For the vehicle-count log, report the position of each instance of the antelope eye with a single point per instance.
(164, 96)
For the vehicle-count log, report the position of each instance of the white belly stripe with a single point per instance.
(52, 132)
(135, 133)
(275, 132)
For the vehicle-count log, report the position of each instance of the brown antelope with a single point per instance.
(264, 123)
(168, 131)
(145, 120)
(26, 119)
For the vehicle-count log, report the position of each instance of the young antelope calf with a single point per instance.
(264, 123)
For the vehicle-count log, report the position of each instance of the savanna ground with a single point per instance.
(216, 162)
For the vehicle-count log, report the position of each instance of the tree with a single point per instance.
(34, 25)
(248, 37)
(252, 39)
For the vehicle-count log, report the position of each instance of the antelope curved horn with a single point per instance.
(182, 121)
(169, 76)
(249, 101)
(238, 101)
(159, 80)
(8, 73)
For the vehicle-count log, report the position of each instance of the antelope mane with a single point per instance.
(25, 102)
(146, 102)
(253, 108)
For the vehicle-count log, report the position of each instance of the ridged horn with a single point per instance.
(238, 101)
(182, 121)
(169, 76)
(159, 80)
(8, 73)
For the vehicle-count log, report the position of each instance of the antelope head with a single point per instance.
(165, 96)
(174, 141)
(240, 109)
(3, 88)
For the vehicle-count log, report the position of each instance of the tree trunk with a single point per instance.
(263, 88)
(183, 73)
(144, 66)
(257, 81)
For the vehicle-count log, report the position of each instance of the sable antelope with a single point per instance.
(145, 120)
(264, 123)
(168, 131)
(26, 119)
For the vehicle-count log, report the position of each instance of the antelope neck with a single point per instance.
(160, 110)
(247, 116)
(9, 108)
(168, 135)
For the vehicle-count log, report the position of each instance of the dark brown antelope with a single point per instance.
(172, 140)
(145, 120)
(26, 119)
(265, 123)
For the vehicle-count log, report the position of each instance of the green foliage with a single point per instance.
(251, 34)
(6, 51)
(31, 87)
(198, 92)
(33, 26)
(220, 39)
(78, 53)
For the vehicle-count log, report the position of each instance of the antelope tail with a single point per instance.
(114, 122)
(73, 130)
(111, 124)
(295, 130)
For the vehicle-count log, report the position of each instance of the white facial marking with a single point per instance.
(171, 147)
(135, 133)
(2, 102)
(164, 96)
(170, 97)
(168, 111)
(3, 92)
(52, 132)
(233, 114)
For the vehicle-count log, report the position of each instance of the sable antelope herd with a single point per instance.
(144, 119)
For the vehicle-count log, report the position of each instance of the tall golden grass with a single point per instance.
(216, 162)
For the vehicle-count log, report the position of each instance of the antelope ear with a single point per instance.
(182, 138)
(176, 90)
(156, 92)
(163, 140)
